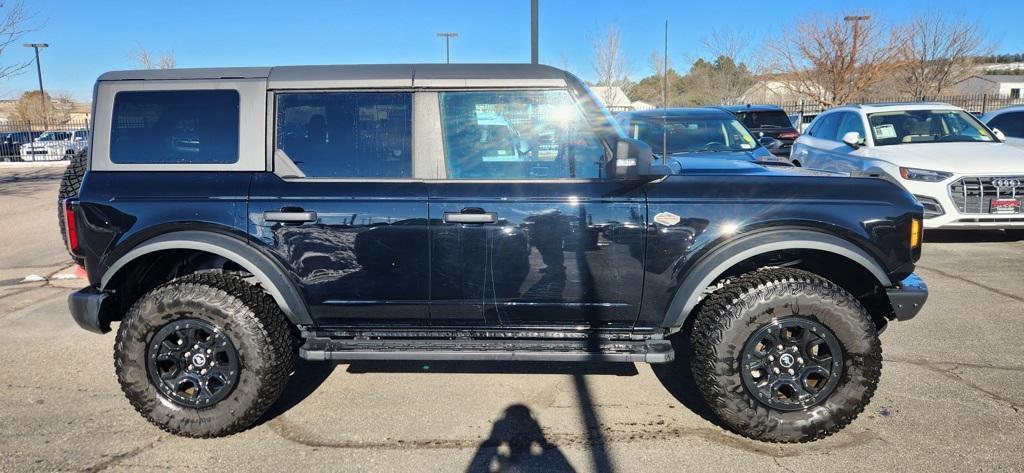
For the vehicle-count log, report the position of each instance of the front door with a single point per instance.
(527, 230)
(342, 211)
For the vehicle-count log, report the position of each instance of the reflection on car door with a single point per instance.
(539, 237)
(341, 211)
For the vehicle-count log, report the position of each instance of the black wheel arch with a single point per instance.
(271, 276)
(718, 262)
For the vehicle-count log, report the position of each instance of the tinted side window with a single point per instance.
(1011, 124)
(175, 127)
(518, 135)
(850, 122)
(765, 119)
(347, 134)
(826, 127)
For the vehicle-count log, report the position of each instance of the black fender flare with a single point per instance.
(270, 275)
(718, 261)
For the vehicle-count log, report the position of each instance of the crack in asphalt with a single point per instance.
(974, 283)
(116, 458)
(948, 370)
(660, 431)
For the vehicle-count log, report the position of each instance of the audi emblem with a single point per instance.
(1006, 182)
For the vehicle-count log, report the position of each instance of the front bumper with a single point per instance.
(952, 218)
(90, 309)
(907, 297)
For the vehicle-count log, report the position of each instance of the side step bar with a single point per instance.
(351, 349)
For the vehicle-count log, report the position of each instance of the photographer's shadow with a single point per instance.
(517, 443)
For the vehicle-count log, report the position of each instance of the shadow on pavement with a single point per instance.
(492, 367)
(517, 443)
(678, 379)
(969, 236)
(307, 377)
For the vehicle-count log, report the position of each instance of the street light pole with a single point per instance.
(39, 72)
(447, 45)
(534, 52)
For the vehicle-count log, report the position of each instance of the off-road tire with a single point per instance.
(70, 184)
(252, 322)
(728, 317)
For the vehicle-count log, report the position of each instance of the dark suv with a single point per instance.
(767, 120)
(232, 219)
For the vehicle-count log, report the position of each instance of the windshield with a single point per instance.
(770, 119)
(926, 126)
(55, 136)
(692, 135)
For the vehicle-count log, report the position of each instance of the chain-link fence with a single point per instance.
(36, 141)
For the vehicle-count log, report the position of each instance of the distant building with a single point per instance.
(614, 99)
(775, 90)
(76, 112)
(641, 105)
(1005, 85)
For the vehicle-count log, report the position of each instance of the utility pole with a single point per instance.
(39, 72)
(664, 73)
(447, 45)
(533, 31)
(855, 47)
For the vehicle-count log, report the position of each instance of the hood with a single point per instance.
(716, 165)
(961, 158)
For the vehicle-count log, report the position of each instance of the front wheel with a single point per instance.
(783, 355)
(204, 355)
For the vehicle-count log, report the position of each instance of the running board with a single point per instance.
(350, 349)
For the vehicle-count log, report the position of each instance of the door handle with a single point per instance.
(286, 216)
(470, 216)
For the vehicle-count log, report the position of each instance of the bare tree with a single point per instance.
(144, 60)
(940, 52)
(737, 45)
(610, 63)
(13, 25)
(834, 60)
(58, 109)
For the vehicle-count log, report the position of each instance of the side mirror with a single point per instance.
(853, 139)
(999, 134)
(769, 142)
(524, 146)
(632, 158)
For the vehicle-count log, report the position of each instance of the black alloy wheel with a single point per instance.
(792, 363)
(193, 363)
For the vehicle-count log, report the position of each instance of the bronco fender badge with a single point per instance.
(667, 219)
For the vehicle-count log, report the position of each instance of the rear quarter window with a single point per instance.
(175, 127)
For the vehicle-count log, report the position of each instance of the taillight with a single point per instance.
(71, 226)
(788, 135)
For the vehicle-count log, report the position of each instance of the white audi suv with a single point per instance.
(958, 168)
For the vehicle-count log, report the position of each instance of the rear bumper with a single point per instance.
(89, 308)
(907, 297)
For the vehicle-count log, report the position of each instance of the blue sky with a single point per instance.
(88, 38)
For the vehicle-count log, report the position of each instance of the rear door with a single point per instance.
(341, 209)
(526, 228)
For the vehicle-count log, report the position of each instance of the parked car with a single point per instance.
(953, 164)
(11, 141)
(55, 145)
(364, 227)
(1008, 121)
(697, 133)
(767, 120)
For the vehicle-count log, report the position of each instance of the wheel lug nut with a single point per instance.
(775, 370)
(800, 360)
(196, 346)
(204, 371)
(188, 354)
(791, 372)
(180, 342)
(771, 358)
(191, 367)
(208, 351)
(780, 347)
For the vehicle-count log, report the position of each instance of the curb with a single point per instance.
(34, 164)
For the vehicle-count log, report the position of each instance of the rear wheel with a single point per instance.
(204, 355)
(783, 355)
(70, 185)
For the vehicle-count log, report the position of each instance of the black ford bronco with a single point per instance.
(232, 219)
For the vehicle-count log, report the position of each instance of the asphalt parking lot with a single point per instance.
(951, 396)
